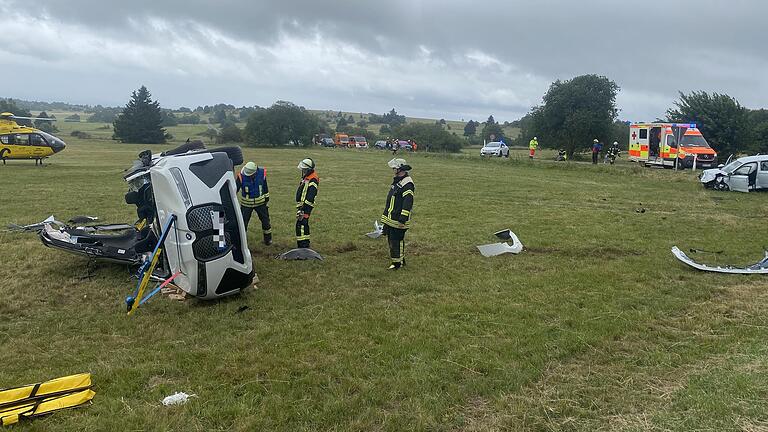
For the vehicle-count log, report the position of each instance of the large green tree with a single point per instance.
(492, 128)
(759, 126)
(575, 112)
(470, 128)
(140, 122)
(720, 118)
(280, 124)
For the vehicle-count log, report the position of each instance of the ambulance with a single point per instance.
(670, 145)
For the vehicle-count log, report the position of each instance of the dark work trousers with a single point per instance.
(594, 157)
(263, 212)
(396, 240)
(302, 233)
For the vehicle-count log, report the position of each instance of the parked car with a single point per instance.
(495, 148)
(742, 175)
(380, 145)
(327, 142)
(404, 145)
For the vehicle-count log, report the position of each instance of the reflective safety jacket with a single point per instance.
(532, 144)
(253, 190)
(397, 210)
(306, 194)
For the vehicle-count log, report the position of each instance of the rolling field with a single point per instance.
(595, 326)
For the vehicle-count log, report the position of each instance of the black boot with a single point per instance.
(268, 239)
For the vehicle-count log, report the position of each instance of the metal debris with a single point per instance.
(760, 267)
(378, 230)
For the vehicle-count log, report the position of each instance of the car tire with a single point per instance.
(235, 153)
(720, 185)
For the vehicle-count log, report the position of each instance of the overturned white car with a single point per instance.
(189, 218)
(743, 175)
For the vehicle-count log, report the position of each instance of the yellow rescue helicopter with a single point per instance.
(25, 142)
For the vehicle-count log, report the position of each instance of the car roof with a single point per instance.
(494, 142)
(755, 158)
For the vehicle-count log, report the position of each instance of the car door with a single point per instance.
(739, 179)
(762, 175)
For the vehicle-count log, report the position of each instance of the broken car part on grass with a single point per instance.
(495, 249)
(300, 254)
(378, 230)
(760, 267)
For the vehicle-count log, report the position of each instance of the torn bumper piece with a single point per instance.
(760, 267)
(300, 254)
(495, 249)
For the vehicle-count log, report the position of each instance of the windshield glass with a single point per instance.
(492, 144)
(731, 167)
(693, 141)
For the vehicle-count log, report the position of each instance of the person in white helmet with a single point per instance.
(612, 153)
(305, 200)
(253, 194)
(397, 211)
(532, 146)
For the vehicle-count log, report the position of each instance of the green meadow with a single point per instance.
(594, 326)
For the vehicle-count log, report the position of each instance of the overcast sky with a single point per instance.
(452, 59)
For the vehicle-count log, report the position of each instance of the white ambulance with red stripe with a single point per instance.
(669, 145)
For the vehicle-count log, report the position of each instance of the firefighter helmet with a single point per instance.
(399, 164)
(306, 164)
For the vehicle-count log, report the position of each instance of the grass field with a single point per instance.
(594, 326)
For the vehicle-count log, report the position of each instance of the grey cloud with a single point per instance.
(650, 52)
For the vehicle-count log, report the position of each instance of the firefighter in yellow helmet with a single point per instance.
(397, 211)
(305, 200)
(253, 194)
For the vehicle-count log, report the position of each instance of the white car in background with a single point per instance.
(742, 175)
(495, 148)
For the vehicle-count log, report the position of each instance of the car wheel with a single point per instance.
(234, 152)
(721, 185)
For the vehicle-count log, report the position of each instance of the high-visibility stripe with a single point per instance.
(405, 212)
(408, 192)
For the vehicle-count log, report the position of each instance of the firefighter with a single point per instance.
(397, 211)
(253, 194)
(532, 145)
(305, 200)
(612, 153)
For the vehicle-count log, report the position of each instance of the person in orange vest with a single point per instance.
(305, 200)
(253, 195)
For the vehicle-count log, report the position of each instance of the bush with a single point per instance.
(81, 134)
(430, 137)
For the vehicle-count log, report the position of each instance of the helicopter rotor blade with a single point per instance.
(33, 118)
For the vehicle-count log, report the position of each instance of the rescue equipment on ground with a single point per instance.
(34, 400)
(495, 249)
(145, 272)
(760, 267)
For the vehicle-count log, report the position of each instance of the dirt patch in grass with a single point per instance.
(345, 247)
